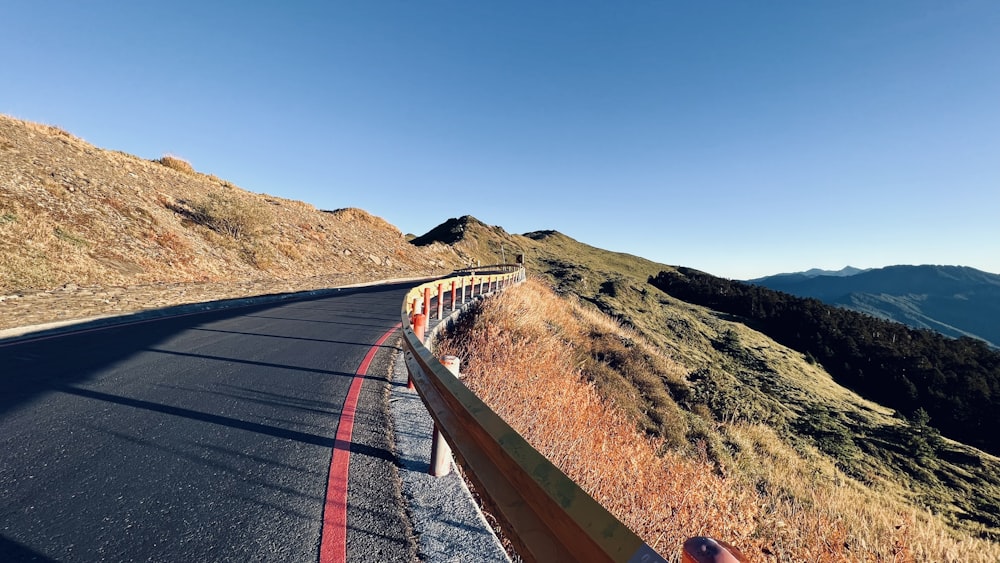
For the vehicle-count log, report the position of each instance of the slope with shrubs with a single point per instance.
(760, 410)
(74, 214)
(529, 355)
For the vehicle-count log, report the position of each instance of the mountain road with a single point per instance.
(208, 436)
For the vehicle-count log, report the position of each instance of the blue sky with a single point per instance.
(740, 138)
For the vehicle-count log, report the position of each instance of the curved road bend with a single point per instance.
(205, 437)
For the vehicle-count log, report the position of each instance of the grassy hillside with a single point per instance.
(78, 215)
(733, 375)
(734, 479)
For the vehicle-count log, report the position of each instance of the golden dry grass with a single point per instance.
(523, 356)
(72, 213)
(177, 164)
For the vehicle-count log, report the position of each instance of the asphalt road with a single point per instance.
(205, 437)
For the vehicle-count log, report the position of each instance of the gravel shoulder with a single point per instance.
(447, 523)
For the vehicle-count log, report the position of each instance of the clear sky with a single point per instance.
(741, 138)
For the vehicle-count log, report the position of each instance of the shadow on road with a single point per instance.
(33, 365)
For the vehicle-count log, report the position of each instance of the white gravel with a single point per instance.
(447, 522)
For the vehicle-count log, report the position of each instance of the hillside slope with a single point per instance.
(953, 300)
(76, 216)
(736, 375)
(731, 478)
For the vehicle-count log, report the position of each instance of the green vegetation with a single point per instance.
(957, 382)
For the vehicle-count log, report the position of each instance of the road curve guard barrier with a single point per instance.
(545, 515)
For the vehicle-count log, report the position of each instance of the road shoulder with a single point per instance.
(447, 523)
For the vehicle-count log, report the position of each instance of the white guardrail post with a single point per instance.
(440, 450)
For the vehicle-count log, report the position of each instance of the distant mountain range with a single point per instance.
(953, 300)
(815, 272)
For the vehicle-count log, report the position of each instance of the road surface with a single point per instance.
(205, 437)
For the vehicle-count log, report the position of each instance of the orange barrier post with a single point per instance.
(707, 550)
(427, 302)
(440, 301)
(472, 286)
(453, 284)
(419, 328)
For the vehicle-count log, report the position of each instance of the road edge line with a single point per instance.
(333, 533)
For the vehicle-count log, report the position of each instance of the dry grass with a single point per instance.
(75, 214)
(177, 164)
(523, 355)
(235, 214)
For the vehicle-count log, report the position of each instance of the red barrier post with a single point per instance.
(440, 301)
(453, 284)
(427, 302)
(419, 328)
(420, 325)
(472, 286)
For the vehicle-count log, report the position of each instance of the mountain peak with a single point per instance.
(451, 231)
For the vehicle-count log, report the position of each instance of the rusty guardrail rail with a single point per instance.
(546, 515)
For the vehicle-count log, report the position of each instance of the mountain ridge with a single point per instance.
(954, 300)
(812, 273)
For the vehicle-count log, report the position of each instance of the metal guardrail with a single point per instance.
(547, 516)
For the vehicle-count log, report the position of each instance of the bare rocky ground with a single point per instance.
(88, 232)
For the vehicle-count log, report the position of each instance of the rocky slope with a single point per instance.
(88, 231)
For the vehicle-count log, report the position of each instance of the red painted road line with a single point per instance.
(333, 536)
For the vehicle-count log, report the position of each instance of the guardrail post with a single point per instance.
(440, 301)
(453, 285)
(419, 328)
(440, 450)
(427, 303)
(472, 286)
